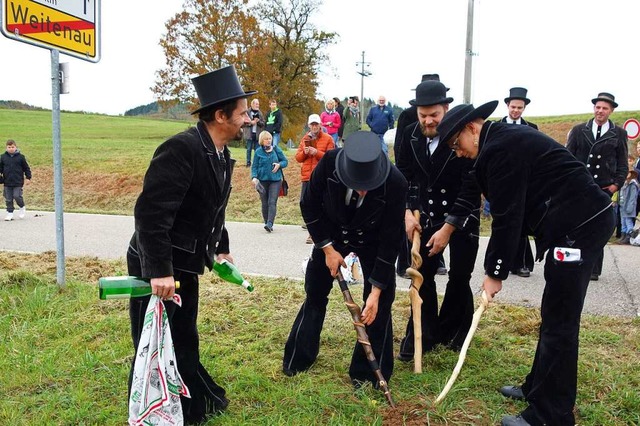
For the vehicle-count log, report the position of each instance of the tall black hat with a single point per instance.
(218, 86)
(431, 92)
(519, 93)
(361, 164)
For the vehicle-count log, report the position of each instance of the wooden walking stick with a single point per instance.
(484, 302)
(363, 338)
(414, 296)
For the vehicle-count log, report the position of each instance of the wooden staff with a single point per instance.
(363, 338)
(414, 296)
(484, 302)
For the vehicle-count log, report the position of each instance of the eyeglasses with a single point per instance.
(455, 145)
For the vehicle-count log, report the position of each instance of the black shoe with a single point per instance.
(268, 227)
(289, 373)
(404, 357)
(522, 272)
(513, 392)
(595, 277)
(403, 274)
(514, 421)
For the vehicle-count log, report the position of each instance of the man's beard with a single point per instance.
(429, 132)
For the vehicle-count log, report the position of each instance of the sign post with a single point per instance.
(73, 28)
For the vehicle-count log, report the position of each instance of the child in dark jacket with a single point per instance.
(13, 170)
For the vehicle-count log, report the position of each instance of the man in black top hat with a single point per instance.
(602, 146)
(407, 117)
(180, 226)
(448, 200)
(516, 102)
(354, 203)
(571, 219)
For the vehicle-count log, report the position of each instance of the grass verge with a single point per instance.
(66, 357)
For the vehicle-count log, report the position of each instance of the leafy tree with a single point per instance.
(272, 43)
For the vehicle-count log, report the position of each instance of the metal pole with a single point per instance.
(468, 55)
(57, 166)
(362, 91)
(363, 74)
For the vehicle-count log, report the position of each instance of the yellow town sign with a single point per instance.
(71, 26)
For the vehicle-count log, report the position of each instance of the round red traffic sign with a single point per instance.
(632, 126)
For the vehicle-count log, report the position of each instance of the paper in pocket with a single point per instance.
(567, 255)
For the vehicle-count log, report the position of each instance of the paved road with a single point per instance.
(617, 292)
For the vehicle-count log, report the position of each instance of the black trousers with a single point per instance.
(550, 387)
(524, 255)
(303, 344)
(451, 325)
(207, 398)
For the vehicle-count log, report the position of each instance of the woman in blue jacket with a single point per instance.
(266, 175)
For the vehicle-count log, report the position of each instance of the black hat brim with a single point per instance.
(417, 103)
(526, 100)
(613, 103)
(483, 111)
(221, 101)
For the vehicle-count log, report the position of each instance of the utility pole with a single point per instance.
(363, 73)
(468, 55)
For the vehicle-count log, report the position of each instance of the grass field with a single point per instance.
(105, 158)
(66, 355)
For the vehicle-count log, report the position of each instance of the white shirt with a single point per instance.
(432, 144)
(594, 128)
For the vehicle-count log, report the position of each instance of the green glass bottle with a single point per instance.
(228, 272)
(125, 287)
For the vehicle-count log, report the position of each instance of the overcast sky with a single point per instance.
(563, 51)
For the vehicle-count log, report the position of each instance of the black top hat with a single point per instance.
(607, 97)
(517, 93)
(427, 77)
(218, 86)
(361, 164)
(458, 116)
(430, 77)
(429, 93)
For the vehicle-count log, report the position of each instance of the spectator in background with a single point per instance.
(253, 129)
(516, 102)
(602, 146)
(266, 175)
(636, 166)
(380, 119)
(331, 120)
(312, 148)
(340, 110)
(351, 117)
(628, 204)
(13, 169)
(274, 122)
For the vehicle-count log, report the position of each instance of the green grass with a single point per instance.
(66, 357)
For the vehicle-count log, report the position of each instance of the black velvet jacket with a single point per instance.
(377, 224)
(179, 216)
(440, 185)
(536, 187)
(605, 158)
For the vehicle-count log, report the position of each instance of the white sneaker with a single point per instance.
(9, 217)
(21, 212)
